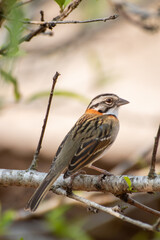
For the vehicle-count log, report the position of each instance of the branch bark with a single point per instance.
(113, 184)
(53, 23)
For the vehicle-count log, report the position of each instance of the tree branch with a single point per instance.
(108, 210)
(52, 23)
(113, 184)
(126, 198)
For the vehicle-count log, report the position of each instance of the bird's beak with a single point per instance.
(122, 101)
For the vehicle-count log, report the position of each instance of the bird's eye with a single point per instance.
(109, 100)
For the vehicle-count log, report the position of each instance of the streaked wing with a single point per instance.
(88, 151)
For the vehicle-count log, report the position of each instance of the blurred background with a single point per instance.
(106, 57)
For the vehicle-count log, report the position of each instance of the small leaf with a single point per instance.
(128, 181)
(60, 3)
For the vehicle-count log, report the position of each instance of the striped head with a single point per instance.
(106, 104)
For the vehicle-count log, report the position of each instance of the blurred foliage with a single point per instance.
(141, 235)
(156, 236)
(6, 219)
(10, 48)
(10, 79)
(62, 227)
(63, 93)
(5, 8)
(15, 29)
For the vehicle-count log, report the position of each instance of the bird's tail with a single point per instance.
(42, 190)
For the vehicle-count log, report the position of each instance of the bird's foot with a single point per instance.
(72, 177)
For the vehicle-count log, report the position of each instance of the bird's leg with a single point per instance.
(69, 187)
(101, 177)
(102, 171)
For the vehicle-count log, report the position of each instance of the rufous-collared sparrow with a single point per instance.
(85, 143)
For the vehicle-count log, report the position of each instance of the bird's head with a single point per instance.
(106, 104)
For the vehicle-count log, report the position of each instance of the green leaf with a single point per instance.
(128, 181)
(62, 3)
(62, 93)
(10, 79)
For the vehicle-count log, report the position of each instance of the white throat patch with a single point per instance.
(113, 111)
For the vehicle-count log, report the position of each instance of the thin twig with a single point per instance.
(50, 23)
(157, 225)
(72, 6)
(126, 198)
(152, 173)
(42, 15)
(107, 210)
(35, 158)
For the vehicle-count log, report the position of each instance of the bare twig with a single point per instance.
(52, 23)
(35, 158)
(126, 198)
(108, 210)
(72, 6)
(42, 15)
(157, 224)
(152, 173)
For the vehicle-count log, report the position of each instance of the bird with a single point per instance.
(85, 143)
